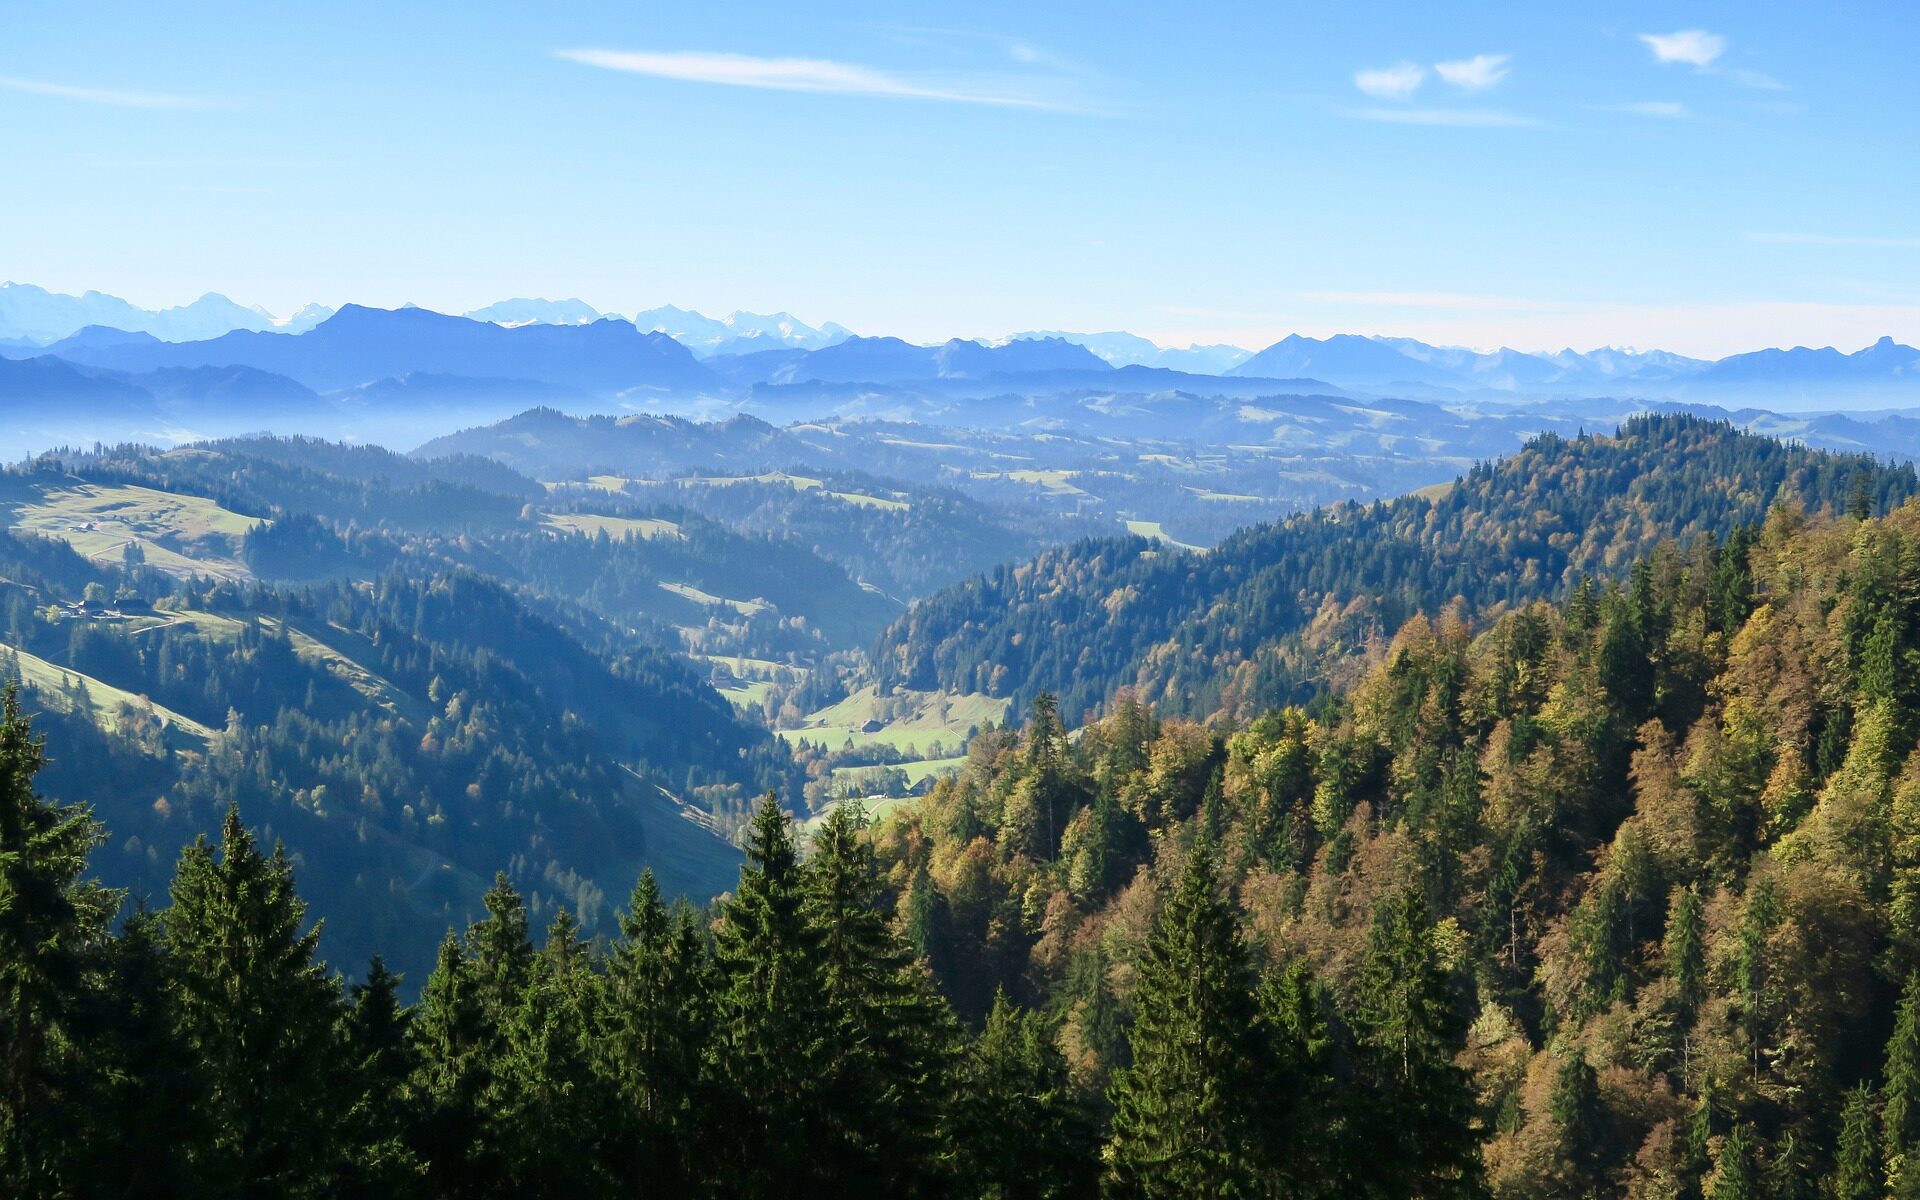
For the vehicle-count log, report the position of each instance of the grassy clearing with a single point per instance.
(1054, 483)
(51, 684)
(617, 528)
(1151, 529)
(688, 591)
(915, 771)
(181, 535)
(910, 721)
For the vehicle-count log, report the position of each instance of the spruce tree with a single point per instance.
(1735, 1176)
(1187, 1112)
(1900, 1094)
(1790, 1173)
(1857, 1172)
(1027, 1134)
(656, 1024)
(455, 1062)
(257, 1015)
(51, 928)
(380, 1120)
(771, 1056)
(1419, 1102)
(892, 1033)
(549, 1105)
(1686, 948)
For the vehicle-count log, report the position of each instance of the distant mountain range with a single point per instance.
(386, 364)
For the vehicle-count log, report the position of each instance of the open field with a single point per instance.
(181, 535)
(910, 721)
(745, 607)
(1151, 529)
(50, 683)
(614, 527)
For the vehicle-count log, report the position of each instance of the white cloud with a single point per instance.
(87, 95)
(1694, 47)
(790, 75)
(1465, 118)
(1671, 110)
(1476, 73)
(1390, 83)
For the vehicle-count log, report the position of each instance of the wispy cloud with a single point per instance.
(90, 95)
(1702, 51)
(796, 75)
(1474, 74)
(1390, 83)
(1671, 110)
(1694, 47)
(1465, 118)
(1829, 239)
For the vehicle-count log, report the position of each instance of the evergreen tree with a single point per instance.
(455, 1067)
(1419, 1102)
(1900, 1093)
(1027, 1134)
(656, 1024)
(1735, 1176)
(1686, 948)
(379, 1123)
(771, 1056)
(548, 1105)
(1790, 1174)
(1857, 1172)
(51, 925)
(1578, 1119)
(891, 1033)
(255, 1012)
(1187, 1112)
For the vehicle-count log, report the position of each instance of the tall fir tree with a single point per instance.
(380, 1120)
(52, 924)
(1409, 1031)
(1900, 1092)
(771, 1054)
(1857, 1172)
(1188, 1112)
(1027, 1134)
(255, 1010)
(657, 1028)
(892, 1034)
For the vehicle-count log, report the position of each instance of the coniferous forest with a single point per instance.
(1608, 895)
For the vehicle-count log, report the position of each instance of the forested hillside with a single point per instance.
(1605, 897)
(1258, 620)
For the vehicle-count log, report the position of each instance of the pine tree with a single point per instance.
(1027, 1134)
(1790, 1173)
(657, 1030)
(1900, 1094)
(1578, 1118)
(1420, 1103)
(770, 1050)
(379, 1123)
(1735, 1176)
(255, 1011)
(141, 1117)
(1857, 1161)
(892, 1034)
(548, 1106)
(51, 927)
(455, 1067)
(1187, 1112)
(1686, 948)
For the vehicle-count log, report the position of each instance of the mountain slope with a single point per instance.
(358, 345)
(1198, 631)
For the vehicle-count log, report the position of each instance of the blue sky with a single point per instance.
(1707, 177)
